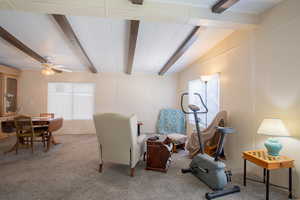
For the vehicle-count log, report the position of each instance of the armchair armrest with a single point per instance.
(141, 139)
(138, 149)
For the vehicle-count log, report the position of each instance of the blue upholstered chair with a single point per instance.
(171, 122)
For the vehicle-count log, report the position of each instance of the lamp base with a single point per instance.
(273, 146)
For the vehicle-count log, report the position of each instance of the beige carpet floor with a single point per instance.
(69, 172)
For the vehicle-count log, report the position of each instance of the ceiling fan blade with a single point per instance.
(66, 70)
(57, 70)
(61, 69)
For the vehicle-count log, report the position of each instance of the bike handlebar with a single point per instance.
(187, 112)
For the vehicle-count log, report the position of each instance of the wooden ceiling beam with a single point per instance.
(133, 35)
(20, 45)
(66, 27)
(191, 38)
(223, 5)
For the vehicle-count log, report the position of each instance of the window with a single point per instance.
(212, 99)
(72, 101)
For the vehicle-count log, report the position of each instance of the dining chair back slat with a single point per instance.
(24, 125)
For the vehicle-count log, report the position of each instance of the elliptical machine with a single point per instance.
(209, 170)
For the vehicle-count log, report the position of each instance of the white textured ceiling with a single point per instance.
(41, 34)
(175, 11)
(243, 6)
(156, 44)
(207, 39)
(104, 40)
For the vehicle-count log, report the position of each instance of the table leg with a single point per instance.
(268, 184)
(11, 149)
(22, 141)
(49, 141)
(245, 171)
(290, 184)
(264, 180)
(54, 141)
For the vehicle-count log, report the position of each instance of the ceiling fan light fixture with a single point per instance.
(48, 72)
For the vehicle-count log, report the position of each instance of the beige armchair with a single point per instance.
(118, 140)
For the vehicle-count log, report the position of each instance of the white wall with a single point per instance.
(259, 78)
(139, 93)
(276, 78)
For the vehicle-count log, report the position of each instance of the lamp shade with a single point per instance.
(205, 78)
(273, 127)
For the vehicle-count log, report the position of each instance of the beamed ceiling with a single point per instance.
(105, 38)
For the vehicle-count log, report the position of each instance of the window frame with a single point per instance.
(72, 97)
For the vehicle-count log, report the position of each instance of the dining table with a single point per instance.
(49, 124)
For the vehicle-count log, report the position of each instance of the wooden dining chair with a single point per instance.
(26, 133)
(49, 115)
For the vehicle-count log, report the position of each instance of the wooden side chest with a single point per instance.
(158, 155)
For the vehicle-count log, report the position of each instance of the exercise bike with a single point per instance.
(210, 170)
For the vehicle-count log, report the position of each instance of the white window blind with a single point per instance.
(72, 101)
(212, 97)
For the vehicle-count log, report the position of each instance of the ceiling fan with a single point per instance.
(50, 68)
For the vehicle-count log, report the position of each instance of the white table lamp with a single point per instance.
(275, 128)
